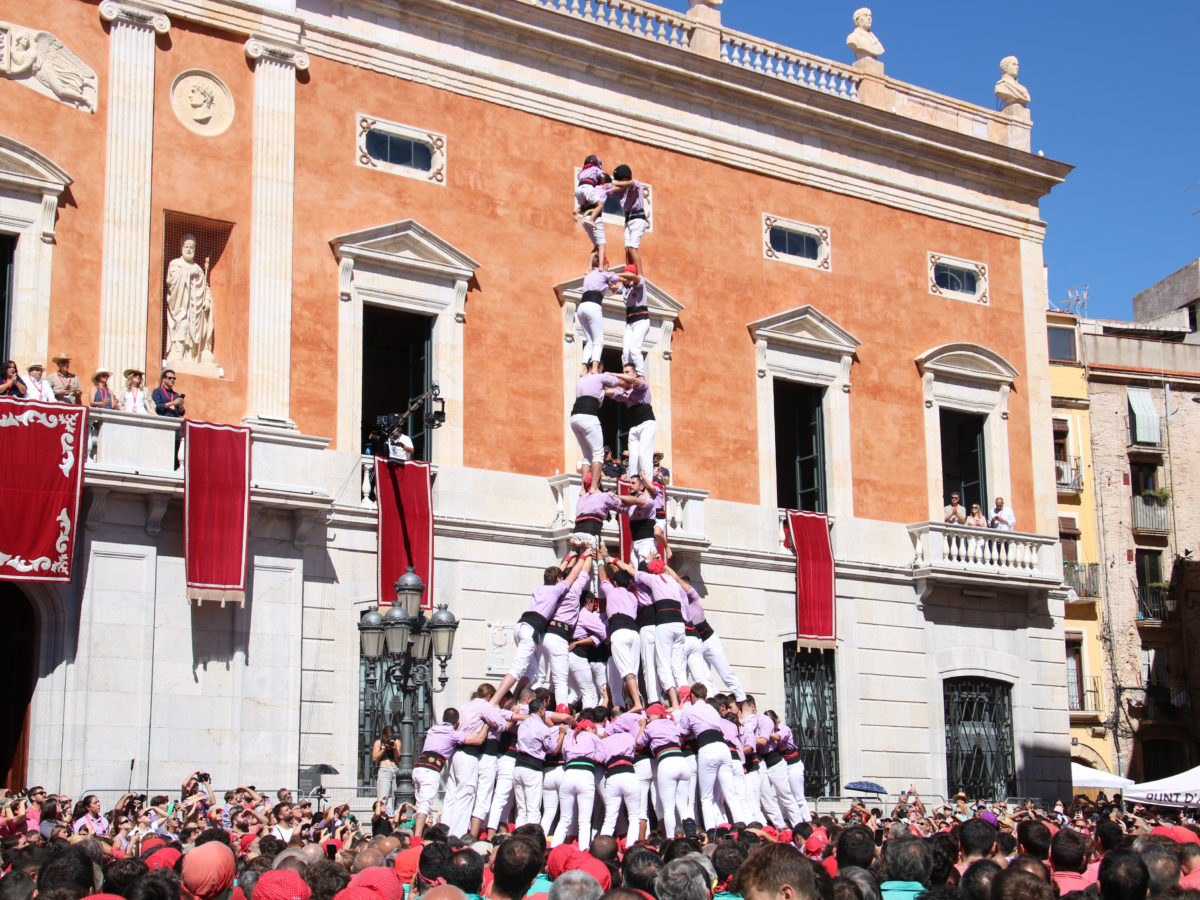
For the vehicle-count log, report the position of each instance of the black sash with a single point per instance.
(586, 406)
(703, 630)
(618, 765)
(667, 611)
(592, 297)
(752, 762)
(589, 524)
(635, 214)
(598, 653)
(508, 743)
(645, 617)
(636, 313)
(430, 760)
(669, 750)
(620, 621)
(525, 761)
(641, 529)
(791, 757)
(641, 412)
(711, 736)
(587, 764)
(772, 757)
(581, 651)
(536, 621)
(562, 629)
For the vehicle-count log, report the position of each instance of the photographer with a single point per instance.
(400, 446)
(197, 788)
(386, 752)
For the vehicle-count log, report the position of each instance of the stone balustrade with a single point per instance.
(789, 65)
(981, 556)
(685, 514)
(655, 23)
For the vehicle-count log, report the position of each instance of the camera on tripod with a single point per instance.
(377, 437)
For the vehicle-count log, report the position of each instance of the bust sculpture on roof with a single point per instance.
(864, 44)
(1008, 89)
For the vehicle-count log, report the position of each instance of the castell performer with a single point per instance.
(596, 283)
(637, 320)
(585, 419)
(464, 769)
(577, 794)
(710, 641)
(795, 765)
(620, 608)
(673, 772)
(440, 743)
(644, 502)
(643, 428)
(633, 205)
(590, 194)
(535, 741)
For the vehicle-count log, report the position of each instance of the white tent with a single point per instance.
(1087, 777)
(1178, 790)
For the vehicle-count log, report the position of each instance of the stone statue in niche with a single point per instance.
(41, 61)
(1008, 89)
(861, 40)
(189, 307)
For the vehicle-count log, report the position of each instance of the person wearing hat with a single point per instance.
(38, 387)
(136, 398)
(64, 382)
(12, 385)
(102, 397)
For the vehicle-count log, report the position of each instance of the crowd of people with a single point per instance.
(63, 386)
(253, 846)
(1001, 517)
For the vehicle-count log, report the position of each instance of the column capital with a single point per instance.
(138, 15)
(285, 54)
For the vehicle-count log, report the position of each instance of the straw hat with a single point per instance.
(131, 372)
(62, 357)
(35, 365)
(101, 371)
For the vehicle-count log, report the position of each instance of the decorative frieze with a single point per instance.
(42, 62)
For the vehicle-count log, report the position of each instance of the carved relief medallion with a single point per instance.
(201, 102)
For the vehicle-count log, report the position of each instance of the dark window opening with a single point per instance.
(399, 151)
(396, 369)
(8, 252)
(810, 690)
(799, 446)
(979, 737)
(955, 278)
(18, 643)
(614, 417)
(1162, 758)
(795, 243)
(1062, 344)
(964, 466)
(1143, 477)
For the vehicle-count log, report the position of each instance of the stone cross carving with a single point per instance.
(1008, 89)
(861, 40)
(41, 61)
(189, 307)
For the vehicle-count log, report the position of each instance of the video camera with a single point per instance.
(377, 437)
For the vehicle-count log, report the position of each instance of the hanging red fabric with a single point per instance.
(816, 605)
(216, 511)
(404, 494)
(41, 476)
(625, 552)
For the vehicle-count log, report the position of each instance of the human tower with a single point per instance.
(608, 720)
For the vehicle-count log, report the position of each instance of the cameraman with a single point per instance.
(386, 752)
(400, 446)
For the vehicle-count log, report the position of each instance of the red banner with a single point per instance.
(41, 477)
(816, 606)
(404, 492)
(216, 511)
(625, 551)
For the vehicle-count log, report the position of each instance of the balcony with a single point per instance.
(1083, 579)
(685, 514)
(1150, 515)
(1146, 446)
(983, 558)
(1068, 475)
(1165, 704)
(1155, 604)
(1085, 697)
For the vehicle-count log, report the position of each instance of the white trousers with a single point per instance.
(558, 664)
(591, 318)
(551, 781)
(641, 550)
(425, 785)
(747, 793)
(525, 652)
(527, 787)
(649, 674)
(626, 646)
(503, 798)
(579, 680)
(796, 778)
(641, 445)
(685, 798)
(631, 347)
(668, 655)
(460, 793)
(576, 796)
(620, 790)
(694, 662)
(761, 784)
(590, 437)
(644, 770)
(714, 653)
(634, 229)
(714, 767)
(485, 785)
(778, 776)
(600, 678)
(673, 776)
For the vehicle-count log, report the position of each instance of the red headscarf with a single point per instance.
(208, 870)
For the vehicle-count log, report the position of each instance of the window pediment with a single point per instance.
(967, 362)
(662, 306)
(805, 328)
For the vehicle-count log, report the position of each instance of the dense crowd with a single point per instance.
(258, 847)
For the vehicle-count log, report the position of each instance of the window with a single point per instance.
(1143, 477)
(1152, 590)
(1144, 421)
(1075, 698)
(796, 242)
(614, 417)
(958, 278)
(401, 149)
(396, 370)
(979, 737)
(8, 249)
(810, 691)
(799, 446)
(964, 463)
(1062, 343)
(613, 214)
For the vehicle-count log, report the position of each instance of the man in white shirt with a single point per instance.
(39, 388)
(1002, 518)
(400, 446)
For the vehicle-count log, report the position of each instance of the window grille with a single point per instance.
(979, 738)
(810, 688)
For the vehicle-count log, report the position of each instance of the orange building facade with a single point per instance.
(381, 198)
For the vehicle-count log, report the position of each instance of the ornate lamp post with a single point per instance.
(401, 641)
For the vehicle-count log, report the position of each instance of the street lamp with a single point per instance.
(400, 641)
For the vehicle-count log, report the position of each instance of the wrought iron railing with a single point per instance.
(1165, 703)
(1068, 475)
(1155, 603)
(1150, 514)
(1083, 578)
(1085, 694)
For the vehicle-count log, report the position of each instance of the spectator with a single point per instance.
(87, 817)
(1189, 863)
(777, 872)
(13, 385)
(166, 401)
(1034, 838)
(1163, 867)
(976, 882)
(136, 398)
(639, 870)
(325, 879)
(977, 840)
(727, 858)
(575, 884)
(464, 870)
(868, 887)
(70, 868)
(1002, 518)
(1018, 884)
(976, 519)
(1123, 876)
(612, 468)
(515, 865)
(39, 387)
(682, 879)
(955, 513)
(102, 397)
(208, 871)
(1068, 860)
(624, 463)
(64, 383)
(855, 847)
(16, 885)
(661, 473)
(909, 862)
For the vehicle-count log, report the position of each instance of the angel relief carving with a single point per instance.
(41, 61)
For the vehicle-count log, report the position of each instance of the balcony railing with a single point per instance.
(1142, 444)
(1085, 695)
(1165, 703)
(1155, 603)
(1083, 578)
(983, 556)
(685, 513)
(1150, 514)
(1068, 475)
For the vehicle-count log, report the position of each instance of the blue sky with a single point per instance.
(1115, 92)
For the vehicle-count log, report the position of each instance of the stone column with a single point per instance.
(125, 270)
(273, 185)
(706, 32)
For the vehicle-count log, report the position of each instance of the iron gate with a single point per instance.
(810, 687)
(979, 738)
